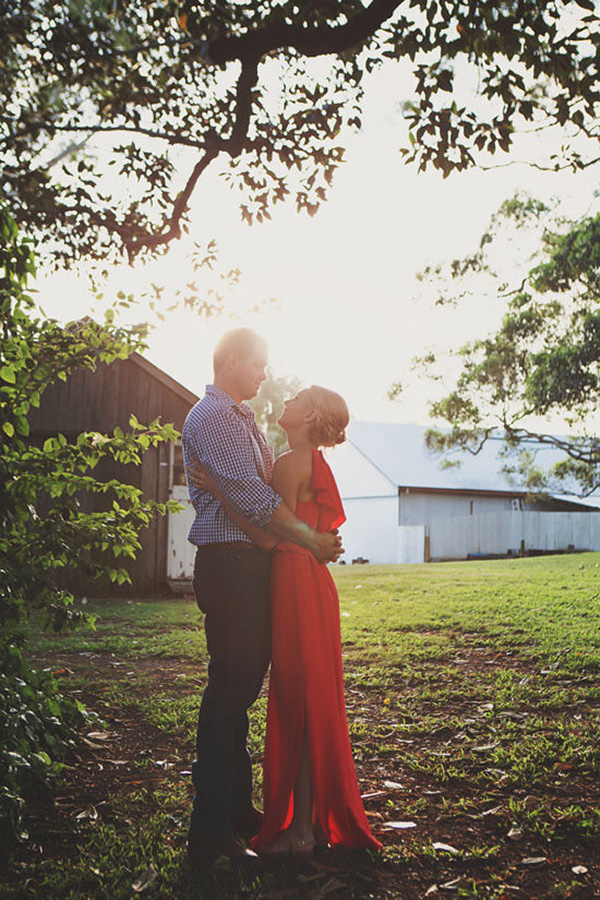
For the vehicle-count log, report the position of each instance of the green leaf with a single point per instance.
(7, 373)
(22, 425)
(8, 429)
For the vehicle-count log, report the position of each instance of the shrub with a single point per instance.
(35, 721)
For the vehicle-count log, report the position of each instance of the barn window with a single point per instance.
(178, 470)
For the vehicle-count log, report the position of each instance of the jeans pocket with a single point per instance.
(202, 582)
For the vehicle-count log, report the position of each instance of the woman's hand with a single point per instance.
(199, 477)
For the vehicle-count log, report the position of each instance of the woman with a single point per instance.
(311, 794)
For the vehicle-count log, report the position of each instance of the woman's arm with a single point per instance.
(291, 481)
(205, 482)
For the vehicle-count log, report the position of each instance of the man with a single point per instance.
(231, 585)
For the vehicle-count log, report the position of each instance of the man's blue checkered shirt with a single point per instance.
(224, 437)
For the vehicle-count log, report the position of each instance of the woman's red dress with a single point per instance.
(306, 690)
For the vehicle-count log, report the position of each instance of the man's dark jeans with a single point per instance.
(232, 587)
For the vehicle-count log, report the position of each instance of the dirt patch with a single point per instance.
(441, 834)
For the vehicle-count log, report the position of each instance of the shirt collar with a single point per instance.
(227, 400)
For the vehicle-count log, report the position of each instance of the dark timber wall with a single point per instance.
(101, 401)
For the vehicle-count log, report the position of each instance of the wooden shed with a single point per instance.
(100, 401)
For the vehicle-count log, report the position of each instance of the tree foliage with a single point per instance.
(542, 363)
(36, 545)
(113, 113)
(268, 406)
(116, 109)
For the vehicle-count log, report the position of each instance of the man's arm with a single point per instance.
(220, 444)
(281, 522)
(201, 479)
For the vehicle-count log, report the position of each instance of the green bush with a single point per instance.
(35, 721)
(36, 730)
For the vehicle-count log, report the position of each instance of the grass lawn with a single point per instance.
(473, 694)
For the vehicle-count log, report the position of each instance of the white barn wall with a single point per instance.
(421, 507)
(556, 531)
(371, 504)
(455, 538)
(371, 529)
(411, 544)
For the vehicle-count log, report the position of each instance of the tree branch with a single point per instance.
(243, 107)
(542, 168)
(72, 148)
(581, 454)
(249, 49)
(171, 228)
(255, 44)
(307, 41)
(133, 129)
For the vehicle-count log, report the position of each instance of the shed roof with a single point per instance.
(399, 453)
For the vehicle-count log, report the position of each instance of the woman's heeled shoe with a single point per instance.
(286, 844)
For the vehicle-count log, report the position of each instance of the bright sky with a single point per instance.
(350, 314)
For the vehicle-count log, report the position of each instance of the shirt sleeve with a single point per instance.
(222, 444)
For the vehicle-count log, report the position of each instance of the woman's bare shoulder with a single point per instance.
(295, 461)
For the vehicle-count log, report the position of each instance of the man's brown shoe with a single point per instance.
(248, 823)
(204, 850)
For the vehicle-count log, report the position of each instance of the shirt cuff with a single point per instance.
(262, 516)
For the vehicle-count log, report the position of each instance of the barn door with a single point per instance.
(180, 560)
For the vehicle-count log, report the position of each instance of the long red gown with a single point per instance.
(306, 688)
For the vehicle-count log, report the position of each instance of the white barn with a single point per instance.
(404, 506)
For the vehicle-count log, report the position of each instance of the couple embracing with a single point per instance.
(264, 531)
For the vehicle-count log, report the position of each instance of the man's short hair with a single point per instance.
(240, 342)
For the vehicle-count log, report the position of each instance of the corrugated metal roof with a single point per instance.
(399, 452)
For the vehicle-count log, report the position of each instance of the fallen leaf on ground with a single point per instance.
(90, 813)
(145, 880)
(446, 848)
(451, 885)
(94, 746)
(492, 811)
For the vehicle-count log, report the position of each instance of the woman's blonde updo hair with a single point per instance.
(332, 417)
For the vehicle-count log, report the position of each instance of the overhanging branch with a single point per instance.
(248, 49)
(172, 228)
(588, 452)
(318, 41)
(174, 139)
